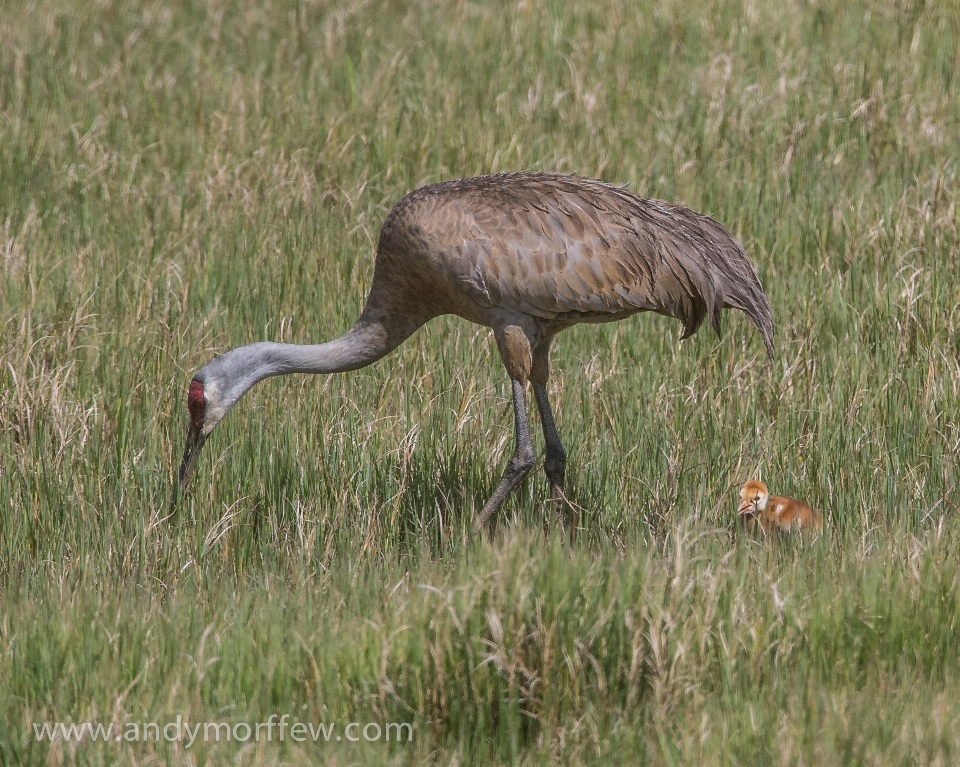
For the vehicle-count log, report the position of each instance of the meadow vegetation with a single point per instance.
(180, 178)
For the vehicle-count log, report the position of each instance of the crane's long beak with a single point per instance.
(745, 506)
(195, 440)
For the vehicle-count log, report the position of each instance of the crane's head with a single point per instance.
(753, 497)
(197, 405)
(216, 388)
(207, 404)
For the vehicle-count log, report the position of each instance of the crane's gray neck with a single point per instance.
(228, 377)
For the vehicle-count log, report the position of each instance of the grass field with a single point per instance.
(180, 178)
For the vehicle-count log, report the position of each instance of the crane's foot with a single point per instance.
(518, 468)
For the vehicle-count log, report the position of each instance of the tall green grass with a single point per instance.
(179, 179)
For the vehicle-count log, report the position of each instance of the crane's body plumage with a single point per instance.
(563, 250)
(527, 254)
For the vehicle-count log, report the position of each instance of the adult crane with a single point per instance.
(528, 255)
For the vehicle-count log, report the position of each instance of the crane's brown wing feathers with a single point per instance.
(552, 245)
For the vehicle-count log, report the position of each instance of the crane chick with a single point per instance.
(775, 513)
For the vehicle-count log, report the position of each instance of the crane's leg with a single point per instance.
(520, 462)
(517, 359)
(555, 460)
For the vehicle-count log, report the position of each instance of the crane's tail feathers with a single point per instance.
(721, 277)
(739, 286)
(747, 295)
(761, 315)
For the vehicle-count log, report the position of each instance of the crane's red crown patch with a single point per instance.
(196, 403)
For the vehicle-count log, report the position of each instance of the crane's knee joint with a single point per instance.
(522, 461)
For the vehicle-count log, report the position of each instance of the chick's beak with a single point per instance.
(195, 440)
(745, 507)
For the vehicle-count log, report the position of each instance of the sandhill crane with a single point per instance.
(528, 255)
(775, 513)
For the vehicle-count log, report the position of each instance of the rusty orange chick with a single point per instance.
(775, 513)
